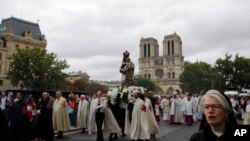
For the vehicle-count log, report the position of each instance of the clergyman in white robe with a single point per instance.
(188, 110)
(178, 118)
(92, 125)
(152, 124)
(139, 123)
(83, 113)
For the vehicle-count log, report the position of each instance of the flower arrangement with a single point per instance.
(121, 95)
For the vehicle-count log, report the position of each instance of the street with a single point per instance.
(168, 132)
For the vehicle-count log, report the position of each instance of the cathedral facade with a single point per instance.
(163, 70)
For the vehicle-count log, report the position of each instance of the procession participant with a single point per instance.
(188, 110)
(157, 109)
(119, 114)
(45, 124)
(200, 105)
(196, 100)
(246, 120)
(128, 115)
(99, 115)
(110, 122)
(92, 110)
(83, 113)
(172, 109)
(3, 100)
(165, 107)
(219, 120)
(178, 118)
(152, 124)
(19, 121)
(139, 125)
(60, 117)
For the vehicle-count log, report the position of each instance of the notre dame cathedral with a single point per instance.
(163, 70)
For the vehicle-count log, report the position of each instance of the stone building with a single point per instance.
(17, 34)
(163, 70)
(73, 76)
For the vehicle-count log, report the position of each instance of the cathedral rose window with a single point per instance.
(159, 73)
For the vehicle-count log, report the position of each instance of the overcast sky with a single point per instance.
(92, 34)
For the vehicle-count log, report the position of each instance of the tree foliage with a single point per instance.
(145, 82)
(85, 85)
(36, 69)
(234, 74)
(197, 76)
(227, 73)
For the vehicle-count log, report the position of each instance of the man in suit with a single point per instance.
(97, 107)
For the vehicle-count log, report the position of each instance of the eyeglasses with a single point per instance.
(213, 106)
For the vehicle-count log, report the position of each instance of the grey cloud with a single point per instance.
(92, 35)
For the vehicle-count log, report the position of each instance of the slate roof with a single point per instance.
(19, 27)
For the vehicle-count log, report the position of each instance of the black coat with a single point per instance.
(206, 134)
(3, 126)
(19, 122)
(45, 125)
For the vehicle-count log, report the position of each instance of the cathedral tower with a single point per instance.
(163, 70)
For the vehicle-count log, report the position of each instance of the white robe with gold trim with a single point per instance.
(83, 114)
(60, 115)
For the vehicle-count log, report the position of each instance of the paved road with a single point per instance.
(168, 132)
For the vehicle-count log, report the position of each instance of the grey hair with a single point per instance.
(220, 98)
(45, 93)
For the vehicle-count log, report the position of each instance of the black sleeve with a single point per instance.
(199, 136)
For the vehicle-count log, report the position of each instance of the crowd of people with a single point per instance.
(24, 119)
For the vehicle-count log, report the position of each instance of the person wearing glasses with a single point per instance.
(219, 120)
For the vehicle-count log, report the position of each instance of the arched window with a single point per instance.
(173, 75)
(172, 47)
(1, 56)
(145, 49)
(1, 82)
(169, 75)
(149, 76)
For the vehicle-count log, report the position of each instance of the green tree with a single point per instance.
(93, 87)
(241, 72)
(234, 74)
(198, 76)
(224, 68)
(146, 83)
(36, 69)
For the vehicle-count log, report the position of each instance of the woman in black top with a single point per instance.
(219, 121)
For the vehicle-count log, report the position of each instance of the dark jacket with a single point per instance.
(45, 125)
(206, 134)
(3, 126)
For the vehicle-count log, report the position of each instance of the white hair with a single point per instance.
(220, 98)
